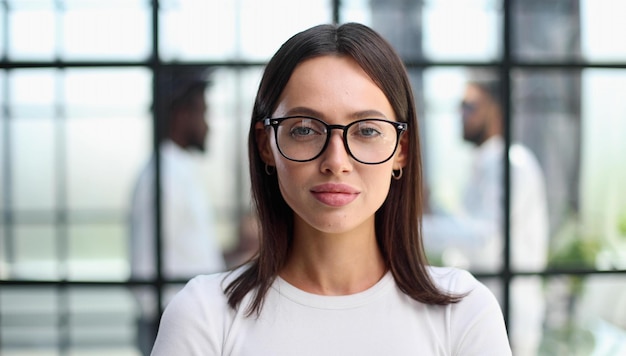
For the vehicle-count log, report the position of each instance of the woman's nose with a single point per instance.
(336, 158)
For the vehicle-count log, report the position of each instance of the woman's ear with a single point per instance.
(401, 158)
(263, 143)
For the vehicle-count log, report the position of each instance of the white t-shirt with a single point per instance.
(379, 321)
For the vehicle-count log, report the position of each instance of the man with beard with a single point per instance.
(473, 238)
(189, 243)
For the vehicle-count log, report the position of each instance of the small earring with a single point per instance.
(269, 170)
(395, 175)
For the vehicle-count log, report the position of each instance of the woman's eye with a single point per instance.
(368, 132)
(302, 131)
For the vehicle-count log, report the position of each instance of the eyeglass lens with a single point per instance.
(368, 141)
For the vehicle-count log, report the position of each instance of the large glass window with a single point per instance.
(78, 124)
(557, 112)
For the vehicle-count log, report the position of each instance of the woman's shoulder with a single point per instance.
(453, 280)
(203, 298)
(209, 288)
(476, 322)
(461, 282)
(196, 316)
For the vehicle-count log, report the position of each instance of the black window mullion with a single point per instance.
(155, 64)
(505, 77)
(336, 11)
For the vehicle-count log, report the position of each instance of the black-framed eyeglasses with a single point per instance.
(304, 138)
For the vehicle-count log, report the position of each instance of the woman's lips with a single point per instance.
(333, 194)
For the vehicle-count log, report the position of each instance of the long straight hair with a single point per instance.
(398, 221)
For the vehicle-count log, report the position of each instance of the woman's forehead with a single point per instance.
(332, 85)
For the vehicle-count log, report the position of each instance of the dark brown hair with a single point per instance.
(398, 221)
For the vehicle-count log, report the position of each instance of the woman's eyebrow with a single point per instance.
(301, 110)
(365, 114)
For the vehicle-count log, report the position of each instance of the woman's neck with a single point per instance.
(334, 264)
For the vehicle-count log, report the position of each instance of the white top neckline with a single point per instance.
(334, 302)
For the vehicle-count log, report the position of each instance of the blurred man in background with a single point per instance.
(189, 242)
(474, 239)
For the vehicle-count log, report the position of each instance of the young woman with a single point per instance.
(336, 175)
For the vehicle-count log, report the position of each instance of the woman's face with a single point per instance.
(332, 193)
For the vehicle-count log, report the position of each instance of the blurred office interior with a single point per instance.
(76, 126)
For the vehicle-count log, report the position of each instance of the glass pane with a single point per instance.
(4, 143)
(224, 147)
(546, 121)
(89, 33)
(602, 188)
(109, 135)
(30, 319)
(527, 316)
(32, 92)
(468, 30)
(4, 179)
(400, 22)
(32, 31)
(586, 316)
(568, 30)
(262, 29)
(355, 11)
(104, 152)
(146, 318)
(250, 30)
(33, 163)
(463, 164)
(600, 22)
(436, 30)
(101, 321)
(84, 321)
(573, 122)
(250, 82)
(32, 138)
(197, 29)
(231, 97)
(4, 253)
(36, 253)
(3, 19)
(97, 252)
(100, 92)
(31, 141)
